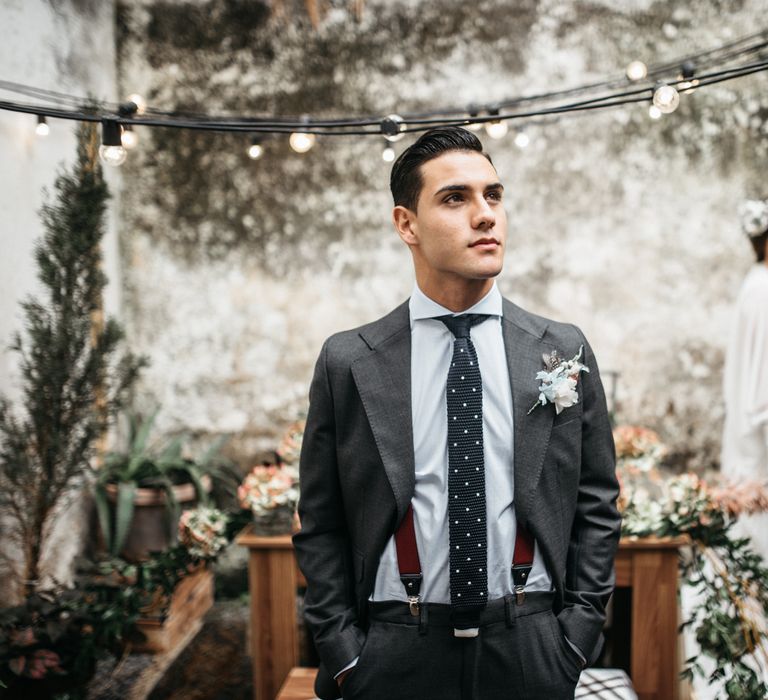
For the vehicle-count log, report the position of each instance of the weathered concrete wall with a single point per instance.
(66, 46)
(237, 270)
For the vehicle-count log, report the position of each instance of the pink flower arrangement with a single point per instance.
(743, 498)
(637, 448)
(269, 487)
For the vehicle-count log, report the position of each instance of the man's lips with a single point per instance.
(484, 242)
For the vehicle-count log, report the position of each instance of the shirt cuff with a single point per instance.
(575, 648)
(353, 663)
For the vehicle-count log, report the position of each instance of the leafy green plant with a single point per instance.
(73, 379)
(144, 465)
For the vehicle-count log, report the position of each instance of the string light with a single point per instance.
(473, 114)
(522, 139)
(388, 154)
(637, 70)
(301, 141)
(392, 127)
(496, 129)
(687, 71)
(713, 66)
(129, 138)
(666, 98)
(42, 128)
(111, 150)
(255, 150)
(139, 101)
(654, 112)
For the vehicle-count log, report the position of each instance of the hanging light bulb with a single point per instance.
(111, 150)
(388, 154)
(42, 128)
(637, 70)
(392, 127)
(129, 138)
(139, 101)
(301, 141)
(474, 126)
(654, 112)
(666, 98)
(255, 150)
(496, 129)
(522, 139)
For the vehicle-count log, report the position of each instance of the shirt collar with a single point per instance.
(422, 307)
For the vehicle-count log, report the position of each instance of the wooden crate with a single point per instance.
(173, 622)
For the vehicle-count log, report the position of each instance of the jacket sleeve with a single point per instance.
(322, 546)
(589, 575)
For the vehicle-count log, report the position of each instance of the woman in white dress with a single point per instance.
(745, 381)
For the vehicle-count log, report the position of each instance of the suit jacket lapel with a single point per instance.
(522, 341)
(383, 379)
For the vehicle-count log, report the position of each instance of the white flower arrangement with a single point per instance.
(557, 383)
(202, 531)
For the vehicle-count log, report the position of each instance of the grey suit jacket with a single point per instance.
(357, 476)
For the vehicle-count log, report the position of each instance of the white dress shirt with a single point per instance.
(431, 352)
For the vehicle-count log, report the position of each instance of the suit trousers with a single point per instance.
(520, 653)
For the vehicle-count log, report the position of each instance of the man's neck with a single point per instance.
(456, 297)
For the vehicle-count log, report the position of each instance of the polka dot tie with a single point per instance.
(466, 471)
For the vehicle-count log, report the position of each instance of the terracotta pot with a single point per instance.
(151, 529)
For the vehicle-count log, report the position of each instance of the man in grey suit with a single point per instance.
(414, 495)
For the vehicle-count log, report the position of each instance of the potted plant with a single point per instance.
(141, 492)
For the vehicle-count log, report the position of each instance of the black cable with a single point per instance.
(730, 51)
(640, 94)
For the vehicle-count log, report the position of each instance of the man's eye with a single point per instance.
(453, 198)
(495, 195)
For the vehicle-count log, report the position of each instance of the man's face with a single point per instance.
(459, 228)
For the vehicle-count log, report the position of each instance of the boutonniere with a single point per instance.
(558, 381)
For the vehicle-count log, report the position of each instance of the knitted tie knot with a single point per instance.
(460, 325)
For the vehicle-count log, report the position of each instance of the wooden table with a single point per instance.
(647, 566)
(274, 637)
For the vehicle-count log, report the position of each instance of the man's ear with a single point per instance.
(404, 220)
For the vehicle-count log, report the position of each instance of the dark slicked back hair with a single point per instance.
(759, 245)
(406, 180)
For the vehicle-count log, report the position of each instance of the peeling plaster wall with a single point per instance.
(66, 46)
(237, 270)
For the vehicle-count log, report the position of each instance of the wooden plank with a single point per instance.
(300, 685)
(165, 629)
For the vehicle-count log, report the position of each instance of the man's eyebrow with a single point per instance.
(463, 188)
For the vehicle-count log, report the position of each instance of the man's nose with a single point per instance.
(483, 217)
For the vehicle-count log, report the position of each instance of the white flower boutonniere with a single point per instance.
(558, 381)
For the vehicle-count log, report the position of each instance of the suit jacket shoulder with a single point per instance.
(566, 337)
(346, 346)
